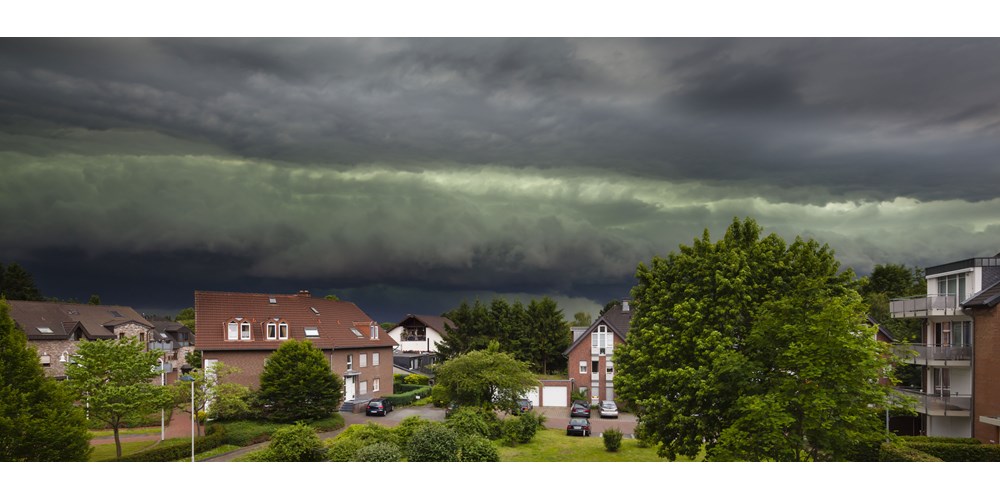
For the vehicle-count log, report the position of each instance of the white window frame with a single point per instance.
(312, 331)
(232, 331)
(375, 385)
(272, 331)
(375, 359)
(282, 331)
(363, 360)
(374, 332)
(350, 362)
(246, 332)
(363, 387)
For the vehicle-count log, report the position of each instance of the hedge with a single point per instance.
(406, 398)
(216, 437)
(933, 439)
(892, 452)
(955, 452)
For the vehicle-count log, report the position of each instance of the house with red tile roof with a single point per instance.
(591, 354)
(243, 329)
(55, 328)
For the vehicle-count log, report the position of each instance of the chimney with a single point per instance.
(304, 293)
(625, 305)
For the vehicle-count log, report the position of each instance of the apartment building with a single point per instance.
(954, 372)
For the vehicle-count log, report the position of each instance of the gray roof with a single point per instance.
(435, 322)
(987, 297)
(616, 320)
(63, 320)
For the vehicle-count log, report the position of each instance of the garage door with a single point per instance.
(533, 396)
(555, 396)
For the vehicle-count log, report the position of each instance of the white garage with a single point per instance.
(532, 396)
(555, 396)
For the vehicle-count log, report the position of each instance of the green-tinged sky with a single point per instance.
(408, 174)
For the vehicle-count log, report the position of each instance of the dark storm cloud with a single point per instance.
(467, 167)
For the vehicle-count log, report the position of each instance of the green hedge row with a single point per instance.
(216, 437)
(892, 452)
(955, 452)
(405, 398)
(931, 439)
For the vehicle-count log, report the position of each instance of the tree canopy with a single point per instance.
(487, 378)
(38, 421)
(536, 333)
(212, 396)
(112, 378)
(16, 283)
(887, 282)
(581, 318)
(297, 383)
(754, 350)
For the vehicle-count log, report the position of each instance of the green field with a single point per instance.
(553, 445)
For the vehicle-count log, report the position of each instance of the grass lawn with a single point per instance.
(107, 450)
(126, 432)
(226, 448)
(553, 445)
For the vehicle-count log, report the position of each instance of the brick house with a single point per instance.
(55, 329)
(243, 329)
(986, 371)
(591, 355)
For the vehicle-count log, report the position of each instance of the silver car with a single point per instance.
(609, 409)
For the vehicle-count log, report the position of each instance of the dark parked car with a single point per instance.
(523, 405)
(379, 406)
(578, 426)
(580, 409)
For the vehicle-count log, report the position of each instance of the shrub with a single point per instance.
(439, 395)
(397, 378)
(475, 421)
(958, 452)
(477, 449)
(417, 379)
(369, 433)
(405, 429)
(892, 452)
(216, 436)
(932, 439)
(612, 439)
(343, 449)
(642, 438)
(433, 443)
(247, 432)
(408, 397)
(379, 452)
(521, 429)
(296, 443)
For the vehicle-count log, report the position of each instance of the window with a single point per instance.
(375, 385)
(244, 331)
(363, 387)
(415, 334)
(272, 331)
(234, 331)
(45, 359)
(356, 332)
(595, 366)
(374, 330)
(583, 367)
(44, 329)
(364, 360)
(350, 362)
(312, 331)
(599, 339)
(953, 286)
(375, 360)
(611, 369)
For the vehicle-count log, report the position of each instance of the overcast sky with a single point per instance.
(408, 174)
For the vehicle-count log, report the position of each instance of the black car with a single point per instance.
(578, 426)
(379, 406)
(523, 405)
(580, 409)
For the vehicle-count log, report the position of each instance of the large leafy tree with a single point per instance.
(889, 281)
(755, 350)
(297, 383)
(487, 378)
(16, 283)
(112, 378)
(186, 317)
(38, 421)
(212, 396)
(547, 337)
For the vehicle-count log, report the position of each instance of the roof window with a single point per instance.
(272, 300)
(44, 329)
(312, 331)
(356, 332)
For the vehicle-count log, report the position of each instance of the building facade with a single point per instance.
(591, 355)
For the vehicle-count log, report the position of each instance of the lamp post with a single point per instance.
(186, 370)
(163, 412)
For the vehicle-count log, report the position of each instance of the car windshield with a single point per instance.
(607, 404)
(375, 404)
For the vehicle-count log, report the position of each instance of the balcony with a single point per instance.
(938, 405)
(934, 355)
(924, 306)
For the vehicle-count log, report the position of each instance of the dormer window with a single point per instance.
(244, 331)
(277, 330)
(356, 332)
(237, 329)
(374, 331)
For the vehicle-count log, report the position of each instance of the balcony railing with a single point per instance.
(925, 354)
(923, 306)
(939, 405)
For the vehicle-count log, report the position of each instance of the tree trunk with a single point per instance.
(118, 443)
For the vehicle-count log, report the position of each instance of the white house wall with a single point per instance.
(433, 338)
(948, 426)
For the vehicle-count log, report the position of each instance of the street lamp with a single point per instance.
(186, 370)
(163, 412)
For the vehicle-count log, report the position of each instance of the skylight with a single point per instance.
(314, 311)
(356, 332)
(116, 314)
(312, 331)
(272, 300)
(44, 329)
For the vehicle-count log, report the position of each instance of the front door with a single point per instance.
(349, 384)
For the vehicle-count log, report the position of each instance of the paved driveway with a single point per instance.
(558, 418)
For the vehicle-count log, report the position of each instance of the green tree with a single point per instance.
(18, 284)
(297, 383)
(186, 318)
(112, 378)
(38, 421)
(212, 396)
(295, 443)
(548, 337)
(754, 350)
(887, 282)
(487, 378)
(193, 358)
(433, 443)
(581, 318)
(332, 297)
(607, 307)
(95, 300)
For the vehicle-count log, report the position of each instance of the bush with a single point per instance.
(931, 439)
(642, 437)
(892, 452)
(408, 397)
(475, 421)
(216, 437)
(477, 449)
(433, 443)
(405, 429)
(958, 452)
(612, 439)
(416, 379)
(439, 395)
(379, 452)
(397, 378)
(369, 433)
(343, 449)
(296, 443)
(247, 432)
(521, 429)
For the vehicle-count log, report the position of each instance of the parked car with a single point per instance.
(378, 406)
(580, 409)
(609, 409)
(578, 426)
(523, 405)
